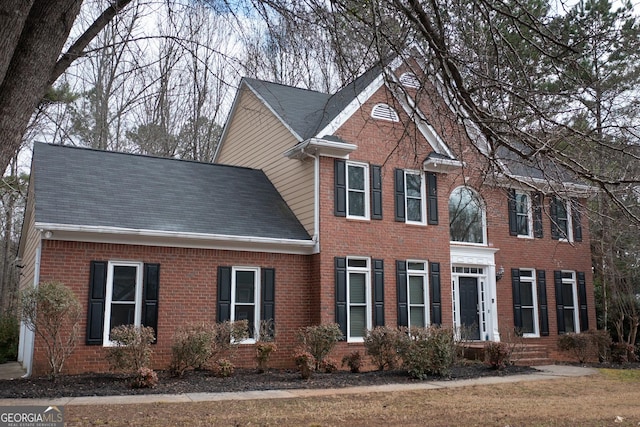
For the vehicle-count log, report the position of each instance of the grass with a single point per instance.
(606, 399)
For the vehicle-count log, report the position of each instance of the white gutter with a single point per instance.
(313, 147)
(173, 238)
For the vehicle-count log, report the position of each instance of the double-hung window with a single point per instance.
(414, 197)
(417, 294)
(123, 303)
(528, 306)
(357, 190)
(563, 219)
(570, 302)
(358, 298)
(245, 294)
(523, 216)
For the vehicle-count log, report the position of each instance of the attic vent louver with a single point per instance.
(410, 80)
(384, 112)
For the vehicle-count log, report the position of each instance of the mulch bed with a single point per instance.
(242, 380)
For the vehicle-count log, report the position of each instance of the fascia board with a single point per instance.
(320, 147)
(569, 189)
(127, 236)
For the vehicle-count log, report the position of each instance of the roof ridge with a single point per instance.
(285, 85)
(148, 156)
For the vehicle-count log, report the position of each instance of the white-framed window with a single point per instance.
(245, 298)
(358, 298)
(528, 303)
(524, 214)
(357, 179)
(123, 302)
(467, 217)
(563, 219)
(384, 112)
(415, 197)
(417, 293)
(570, 302)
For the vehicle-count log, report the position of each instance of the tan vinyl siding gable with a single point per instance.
(257, 139)
(30, 241)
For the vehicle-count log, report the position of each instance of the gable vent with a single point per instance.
(384, 112)
(410, 80)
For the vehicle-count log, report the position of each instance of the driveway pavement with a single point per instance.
(547, 372)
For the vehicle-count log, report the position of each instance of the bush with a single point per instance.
(196, 345)
(329, 365)
(9, 337)
(621, 353)
(497, 354)
(601, 342)
(586, 345)
(319, 340)
(132, 350)
(263, 353)
(145, 378)
(429, 351)
(353, 361)
(223, 368)
(53, 312)
(382, 344)
(305, 363)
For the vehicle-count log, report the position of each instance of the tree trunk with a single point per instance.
(13, 14)
(44, 33)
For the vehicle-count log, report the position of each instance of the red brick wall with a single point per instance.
(188, 292)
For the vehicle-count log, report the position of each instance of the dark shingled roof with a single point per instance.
(80, 186)
(305, 111)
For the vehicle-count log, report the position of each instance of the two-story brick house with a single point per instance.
(367, 207)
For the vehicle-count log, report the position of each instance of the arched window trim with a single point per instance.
(384, 112)
(483, 207)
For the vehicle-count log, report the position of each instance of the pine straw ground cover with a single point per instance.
(610, 398)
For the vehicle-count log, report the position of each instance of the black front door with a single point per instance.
(469, 318)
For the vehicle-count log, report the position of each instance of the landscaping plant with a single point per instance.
(319, 340)
(382, 344)
(53, 312)
(132, 348)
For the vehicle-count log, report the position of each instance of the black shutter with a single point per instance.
(151, 290)
(557, 279)
(376, 192)
(435, 293)
(555, 231)
(536, 204)
(224, 294)
(432, 198)
(97, 295)
(401, 286)
(399, 193)
(341, 294)
(576, 221)
(543, 311)
(513, 216)
(268, 311)
(340, 188)
(517, 300)
(582, 302)
(378, 292)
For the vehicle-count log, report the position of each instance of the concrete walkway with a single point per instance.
(548, 372)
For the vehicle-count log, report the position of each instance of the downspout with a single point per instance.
(316, 198)
(26, 333)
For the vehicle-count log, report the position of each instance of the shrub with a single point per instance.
(429, 351)
(263, 353)
(577, 345)
(497, 354)
(305, 363)
(195, 345)
(145, 378)
(382, 344)
(223, 368)
(329, 365)
(353, 361)
(319, 340)
(621, 353)
(9, 337)
(53, 312)
(132, 350)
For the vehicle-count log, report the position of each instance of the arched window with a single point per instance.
(466, 216)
